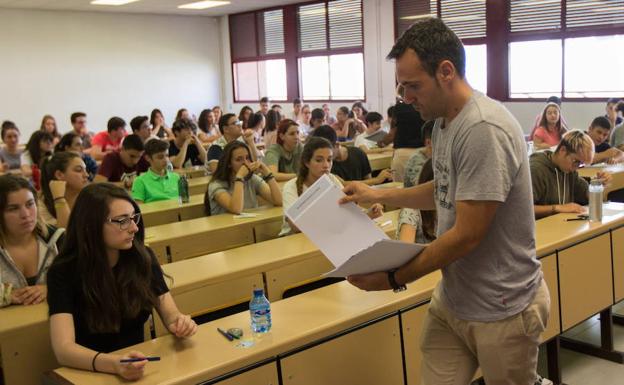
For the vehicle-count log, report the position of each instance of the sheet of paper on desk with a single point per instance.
(352, 242)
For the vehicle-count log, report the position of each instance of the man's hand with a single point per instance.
(371, 282)
(358, 192)
(604, 177)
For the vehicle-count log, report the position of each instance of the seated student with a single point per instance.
(304, 120)
(269, 134)
(10, 154)
(110, 140)
(329, 118)
(548, 133)
(121, 167)
(231, 130)
(316, 161)
(27, 245)
(347, 126)
(264, 105)
(283, 157)
(217, 111)
(186, 149)
(39, 146)
(104, 284)
(71, 142)
(538, 118)
(79, 126)
(141, 127)
(277, 108)
(358, 111)
(557, 187)
(415, 164)
(612, 112)
(617, 136)
(599, 131)
(256, 123)
(418, 225)
(208, 128)
(244, 115)
(63, 176)
(159, 128)
(296, 112)
(350, 163)
(157, 183)
(367, 141)
(48, 124)
(183, 114)
(317, 119)
(237, 182)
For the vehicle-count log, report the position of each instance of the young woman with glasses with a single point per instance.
(104, 285)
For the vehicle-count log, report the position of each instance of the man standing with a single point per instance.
(492, 303)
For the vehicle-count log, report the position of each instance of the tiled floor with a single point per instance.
(580, 369)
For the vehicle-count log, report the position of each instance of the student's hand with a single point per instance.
(570, 208)
(384, 175)
(195, 140)
(263, 169)
(132, 370)
(358, 192)
(371, 282)
(243, 171)
(57, 188)
(604, 177)
(375, 211)
(248, 135)
(30, 295)
(183, 326)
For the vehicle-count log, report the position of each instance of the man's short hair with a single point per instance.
(115, 123)
(326, 132)
(182, 124)
(77, 115)
(133, 142)
(577, 142)
(7, 125)
(317, 113)
(433, 42)
(264, 99)
(223, 121)
(601, 122)
(373, 117)
(155, 146)
(297, 101)
(137, 121)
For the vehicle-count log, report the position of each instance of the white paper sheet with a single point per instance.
(352, 242)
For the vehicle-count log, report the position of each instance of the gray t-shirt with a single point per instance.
(13, 161)
(481, 156)
(250, 191)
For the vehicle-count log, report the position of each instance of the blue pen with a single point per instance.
(136, 359)
(225, 334)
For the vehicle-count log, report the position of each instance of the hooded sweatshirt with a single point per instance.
(48, 249)
(551, 186)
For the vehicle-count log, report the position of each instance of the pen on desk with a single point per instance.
(224, 334)
(576, 219)
(137, 359)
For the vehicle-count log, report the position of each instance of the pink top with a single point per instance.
(550, 138)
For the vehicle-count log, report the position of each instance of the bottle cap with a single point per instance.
(258, 291)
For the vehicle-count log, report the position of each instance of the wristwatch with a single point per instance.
(393, 283)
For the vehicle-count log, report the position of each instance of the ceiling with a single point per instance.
(167, 7)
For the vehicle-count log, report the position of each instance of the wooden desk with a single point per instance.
(181, 240)
(617, 174)
(380, 161)
(169, 211)
(192, 172)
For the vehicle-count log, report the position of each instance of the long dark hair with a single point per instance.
(314, 143)
(559, 127)
(57, 162)
(180, 112)
(428, 217)
(34, 148)
(202, 122)
(161, 130)
(11, 183)
(54, 133)
(223, 171)
(254, 119)
(272, 120)
(241, 115)
(107, 297)
(65, 142)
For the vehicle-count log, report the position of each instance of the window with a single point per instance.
(258, 55)
(330, 52)
(535, 68)
(476, 66)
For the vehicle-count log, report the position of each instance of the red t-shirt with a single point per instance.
(103, 140)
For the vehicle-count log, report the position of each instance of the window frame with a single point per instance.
(292, 53)
(499, 35)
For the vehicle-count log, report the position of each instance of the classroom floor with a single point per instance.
(580, 369)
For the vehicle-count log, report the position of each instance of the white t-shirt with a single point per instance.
(290, 196)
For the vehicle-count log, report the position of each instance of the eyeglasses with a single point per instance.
(236, 123)
(124, 223)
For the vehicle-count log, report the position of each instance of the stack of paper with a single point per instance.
(345, 234)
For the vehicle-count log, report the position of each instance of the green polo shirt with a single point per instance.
(151, 187)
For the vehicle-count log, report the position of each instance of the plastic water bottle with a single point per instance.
(183, 189)
(169, 166)
(596, 191)
(260, 311)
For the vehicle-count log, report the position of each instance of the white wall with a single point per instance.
(380, 78)
(104, 64)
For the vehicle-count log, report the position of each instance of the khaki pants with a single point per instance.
(506, 350)
(399, 158)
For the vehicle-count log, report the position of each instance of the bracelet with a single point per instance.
(58, 199)
(238, 179)
(93, 362)
(268, 177)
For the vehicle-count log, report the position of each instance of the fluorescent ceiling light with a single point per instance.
(112, 2)
(203, 4)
